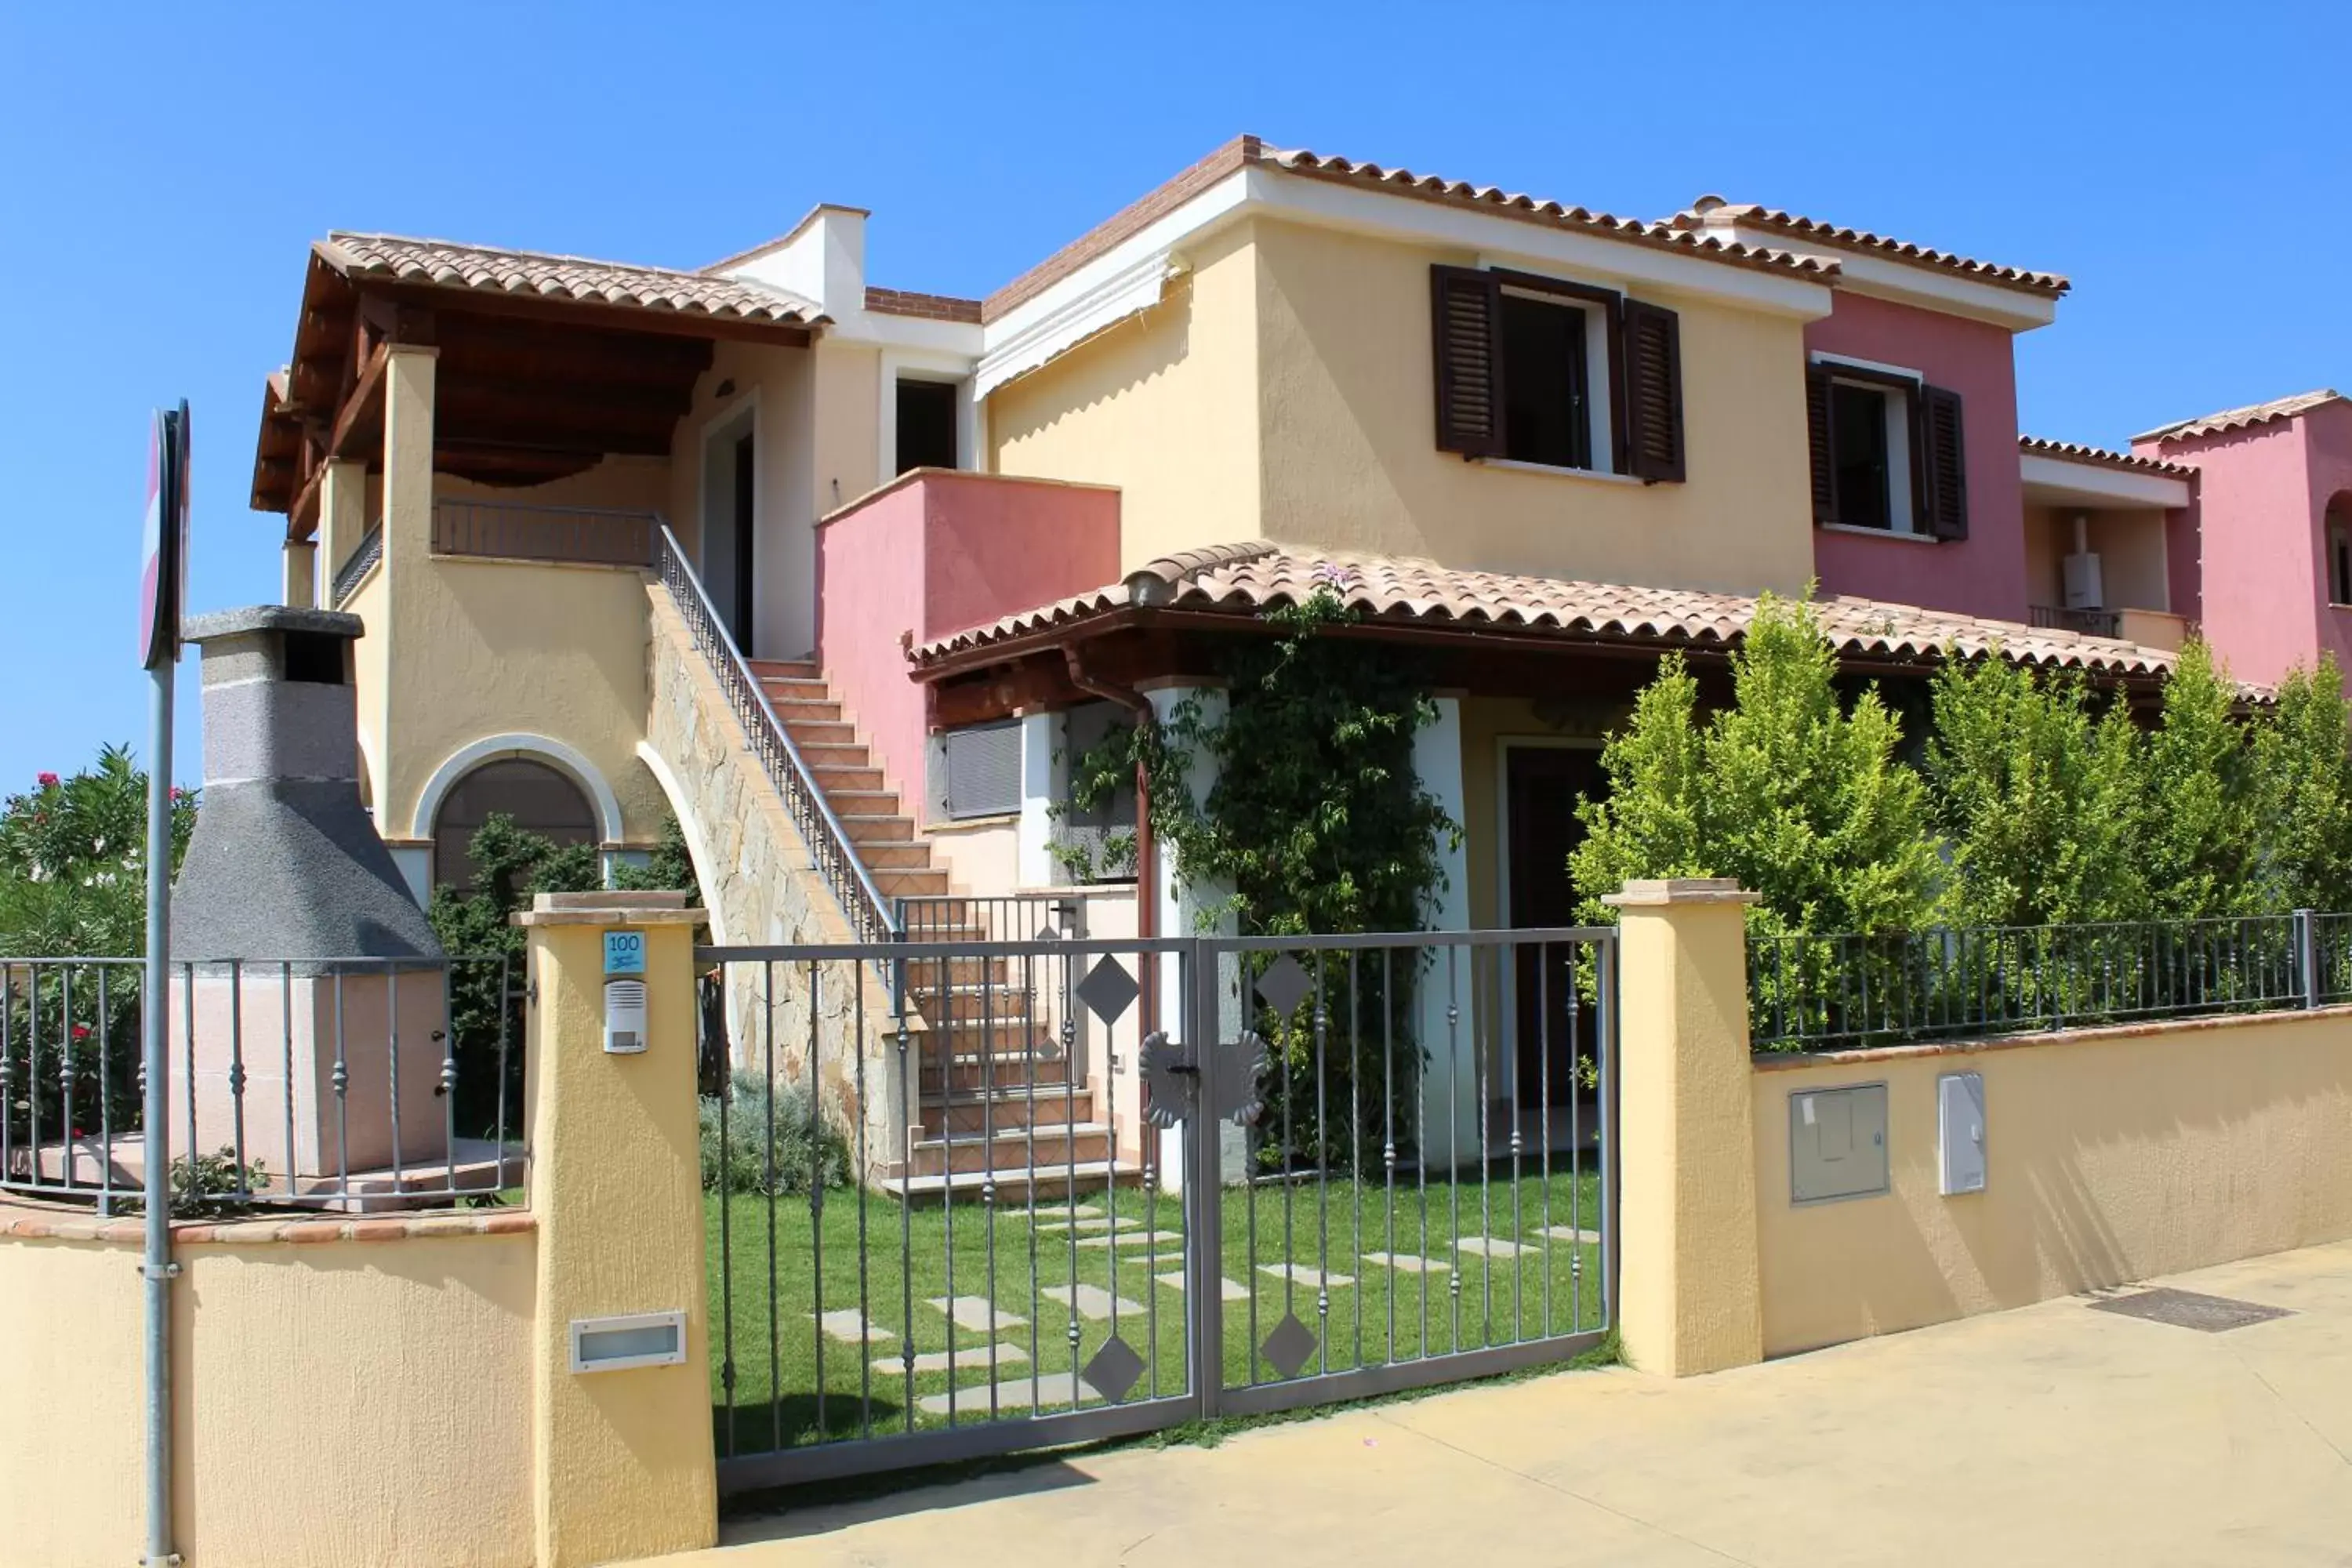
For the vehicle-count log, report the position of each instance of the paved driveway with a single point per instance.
(2054, 1435)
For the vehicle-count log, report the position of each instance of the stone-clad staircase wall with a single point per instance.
(763, 887)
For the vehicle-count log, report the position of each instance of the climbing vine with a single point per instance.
(1316, 825)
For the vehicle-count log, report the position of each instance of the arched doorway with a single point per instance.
(540, 798)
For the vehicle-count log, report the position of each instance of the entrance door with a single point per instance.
(1551, 1026)
(746, 473)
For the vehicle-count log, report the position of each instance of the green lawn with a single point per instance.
(1549, 1287)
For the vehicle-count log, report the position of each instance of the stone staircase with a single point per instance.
(999, 1112)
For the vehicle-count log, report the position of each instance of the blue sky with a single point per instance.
(164, 168)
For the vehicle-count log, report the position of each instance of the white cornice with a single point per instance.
(2064, 481)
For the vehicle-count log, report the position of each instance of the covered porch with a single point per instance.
(2110, 542)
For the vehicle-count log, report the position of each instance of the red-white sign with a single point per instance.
(164, 579)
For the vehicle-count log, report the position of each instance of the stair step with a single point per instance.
(979, 1111)
(1020, 1149)
(908, 882)
(1019, 1074)
(796, 688)
(915, 855)
(1090, 1175)
(809, 733)
(784, 668)
(841, 777)
(805, 709)
(887, 826)
(863, 802)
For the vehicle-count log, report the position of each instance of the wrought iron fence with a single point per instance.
(517, 531)
(869, 914)
(1837, 992)
(1314, 1168)
(2097, 623)
(348, 1084)
(355, 568)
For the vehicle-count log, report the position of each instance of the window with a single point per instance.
(1887, 452)
(540, 800)
(2339, 558)
(927, 425)
(975, 772)
(1539, 370)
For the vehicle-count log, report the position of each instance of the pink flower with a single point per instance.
(46, 781)
(82, 1031)
(179, 794)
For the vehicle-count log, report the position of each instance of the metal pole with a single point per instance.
(158, 1267)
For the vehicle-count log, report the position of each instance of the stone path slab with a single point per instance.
(1091, 1300)
(1057, 1214)
(1304, 1274)
(1570, 1233)
(1083, 1222)
(969, 1359)
(1227, 1289)
(1049, 1389)
(1407, 1262)
(1169, 1241)
(974, 1312)
(1489, 1246)
(846, 1325)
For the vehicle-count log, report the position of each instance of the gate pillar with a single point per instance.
(1690, 1299)
(623, 1465)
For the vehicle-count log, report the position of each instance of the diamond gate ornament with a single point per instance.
(1287, 1348)
(1285, 985)
(1108, 990)
(1114, 1368)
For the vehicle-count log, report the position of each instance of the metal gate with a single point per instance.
(966, 1195)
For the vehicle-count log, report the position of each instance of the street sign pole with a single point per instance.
(163, 586)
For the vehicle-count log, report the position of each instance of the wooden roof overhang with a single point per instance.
(1126, 646)
(526, 389)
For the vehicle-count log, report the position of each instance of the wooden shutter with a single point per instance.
(1943, 464)
(1817, 434)
(1654, 391)
(1467, 307)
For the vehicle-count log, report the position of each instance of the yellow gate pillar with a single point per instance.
(622, 1465)
(1689, 1299)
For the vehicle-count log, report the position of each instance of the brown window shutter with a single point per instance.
(1816, 437)
(1466, 309)
(1654, 391)
(1944, 463)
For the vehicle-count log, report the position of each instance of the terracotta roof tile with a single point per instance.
(2238, 418)
(473, 266)
(1244, 579)
(1432, 187)
(2075, 452)
(1714, 212)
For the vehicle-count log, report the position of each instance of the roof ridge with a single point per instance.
(2083, 451)
(2246, 414)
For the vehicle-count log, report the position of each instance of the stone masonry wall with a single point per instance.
(762, 889)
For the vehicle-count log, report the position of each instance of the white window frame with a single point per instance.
(1601, 433)
(1902, 506)
(925, 365)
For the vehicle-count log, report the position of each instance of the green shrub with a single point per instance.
(803, 1143)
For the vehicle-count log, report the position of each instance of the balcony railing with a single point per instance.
(355, 567)
(514, 531)
(2093, 622)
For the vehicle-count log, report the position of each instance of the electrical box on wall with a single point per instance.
(1960, 1115)
(624, 999)
(1837, 1143)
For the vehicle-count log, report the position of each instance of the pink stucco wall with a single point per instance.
(1985, 573)
(936, 553)
(2262, 498)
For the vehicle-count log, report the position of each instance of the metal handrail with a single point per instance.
(356, 566)
(836, 859)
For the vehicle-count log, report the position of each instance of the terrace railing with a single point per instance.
(514, 531)
(342, 1084)
(869, 914)
(1836, 992)
(356, 566)
(2096, 623)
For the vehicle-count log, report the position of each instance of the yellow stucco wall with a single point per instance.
(1350, 457)
(1162, 405)
(2129, 543)
(2111, 1156)
(335, 1402)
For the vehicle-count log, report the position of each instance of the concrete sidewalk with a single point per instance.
(2052, 1435)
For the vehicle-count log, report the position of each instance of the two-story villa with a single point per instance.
(840, 575)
